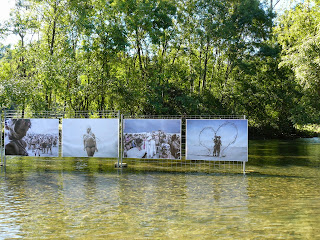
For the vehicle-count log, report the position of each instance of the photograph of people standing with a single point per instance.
(89, 142)
(217, 139)
(152, 138)
(217, 146)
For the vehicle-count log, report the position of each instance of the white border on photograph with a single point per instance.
(101, 128)
(144, 129)
(208, 158)
(38, 138)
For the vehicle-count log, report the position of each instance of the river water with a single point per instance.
(279, 198)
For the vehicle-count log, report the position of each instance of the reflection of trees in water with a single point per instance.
(208, 144)
(297, 152)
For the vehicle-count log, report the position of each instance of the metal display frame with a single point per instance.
(190, 165)
(3, 163)
(158, 164)
(10, 114)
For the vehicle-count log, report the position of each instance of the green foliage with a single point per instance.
(299, 35)
(165, 57)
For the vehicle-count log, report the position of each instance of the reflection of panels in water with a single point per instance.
(222, 195)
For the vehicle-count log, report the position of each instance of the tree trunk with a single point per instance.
(51, 47)
(139, 54)
(205, 67)
(200, 64)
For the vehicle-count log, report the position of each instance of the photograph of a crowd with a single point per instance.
(32, 137)
(90, 138)
(217, 139)
(152, 138)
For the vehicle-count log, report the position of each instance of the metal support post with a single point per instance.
(1, 143)
(3, 150)
(244, 167)
(119, 144)
(120, 164)
(121, 139)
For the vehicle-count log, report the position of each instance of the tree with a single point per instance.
(298, 33)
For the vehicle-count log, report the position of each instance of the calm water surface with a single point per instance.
(278, 199)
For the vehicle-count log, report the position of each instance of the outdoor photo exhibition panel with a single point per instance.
(90, 138)
(32, 137)
(152, 138)
(217, 139)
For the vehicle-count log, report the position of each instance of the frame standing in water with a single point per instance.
(90, 138)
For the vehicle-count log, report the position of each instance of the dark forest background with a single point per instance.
(165, 57)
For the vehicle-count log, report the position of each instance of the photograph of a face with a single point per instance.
(152, 138)
(90, 138)
(217, 139)
(32, 137)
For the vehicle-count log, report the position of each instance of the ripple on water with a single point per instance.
(273, 202)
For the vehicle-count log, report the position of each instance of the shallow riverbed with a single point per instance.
(279, 198)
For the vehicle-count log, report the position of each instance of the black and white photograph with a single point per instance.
(152, 138)
(217, 139)
(90, 138)
(32, 137)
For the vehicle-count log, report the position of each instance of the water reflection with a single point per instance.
(220, 206)
(300, 152)
(103, 205)
(286, 208)
(84, 199)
